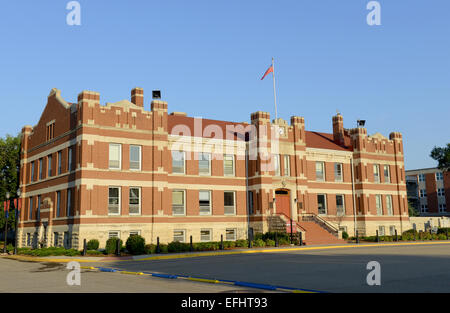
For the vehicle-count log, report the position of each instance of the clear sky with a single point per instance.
(208, 56)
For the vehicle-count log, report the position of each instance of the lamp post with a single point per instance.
(17, 221)
(6, 225)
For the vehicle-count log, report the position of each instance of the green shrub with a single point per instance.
(410, 231)
(93, 252)
(92, 244)
(443, 230)
(259, 243)
(241, 243)
(284, 241)
(207, 246)
(163, 248)
(135, 244)
(177, 246)
(229, 244)
(111, 245)
(150, 249)
(344, 235)
(55, 251)
(270, 243)
(10, 248)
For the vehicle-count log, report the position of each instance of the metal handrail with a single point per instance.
(327, 225)
(287, 218)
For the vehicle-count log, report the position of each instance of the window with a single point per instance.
(50, 131)
(340, 205)
(378, 205)
(424, 208)
(250, 202)
(178, 235)
(135, 157)
(178, 207)
(287, 166)
(178, 161)
(135, 201)
(381, 231)
(114, 234)
(28, 239)
(58, 203)
(205, 202)
(376, 173)
(228, 165)
(338, 172)
(32, 171)
(389, 205)
(55, 239)
(38, 212)
(441, 192)
(30, 209)
(321, 204)
(421, 177)
(49, 166)
(114, 201)
(204, 163)
(135, 232)
(69, 159)
(230, 234)
(205, 235)
(423, 193)
(392, 230)
(320, 171)
(40, 169)
(387, 174)
(439, 176)
(115, 152)
(442, 208)
(69, 202)
(229, 203)
(59, 162)
(276, 164)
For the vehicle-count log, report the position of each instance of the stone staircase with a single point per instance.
(318, 235)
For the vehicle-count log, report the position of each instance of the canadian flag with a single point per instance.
(269, 70)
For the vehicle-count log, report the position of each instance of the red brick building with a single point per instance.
(95, 171)
(429, 191)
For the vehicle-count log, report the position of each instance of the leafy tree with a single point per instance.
(9, 180)
(442, 155)
(412, 210)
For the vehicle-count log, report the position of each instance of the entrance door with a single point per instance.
(283, 202)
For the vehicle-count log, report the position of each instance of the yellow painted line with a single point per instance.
(203, 280)
(132, 273)
(301, 291)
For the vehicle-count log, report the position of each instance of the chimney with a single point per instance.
(137, 96)
(338, 129)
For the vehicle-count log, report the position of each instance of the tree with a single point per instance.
(9, 180)
(442, 155)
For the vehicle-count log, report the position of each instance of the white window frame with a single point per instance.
(392, 230)
(421, 177)
(227, 238)
(134, 232)
(441, 192)
(140, 158)
(120, 156)
(210, 202)
(381, 230)
(210, 234)
(379, 204)
(184, 161)
(111, 232)
(439, 176)
(376, 174)
(233, 166)
(200, 155)
(338, 178)
(322, 171)
(423, 193)
(389, 207)
(140, 200)
(229, 206)
(184, 202)
(325, 203)
(387, 179)
(184, 235)
(343, 205)
(119, 200)
(287, 169)
(276, 165)
(424, 208)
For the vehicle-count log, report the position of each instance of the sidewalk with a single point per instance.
(168, 256)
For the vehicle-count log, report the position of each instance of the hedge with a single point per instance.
(111, 245)
(92, 244)
(136, 244)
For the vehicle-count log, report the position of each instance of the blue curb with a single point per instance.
(105, 269)
(252, 285)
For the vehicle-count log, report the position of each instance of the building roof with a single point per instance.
(325, 141)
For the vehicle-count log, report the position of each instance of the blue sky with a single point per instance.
(208, 56)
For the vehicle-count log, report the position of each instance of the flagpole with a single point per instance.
(274, 90)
